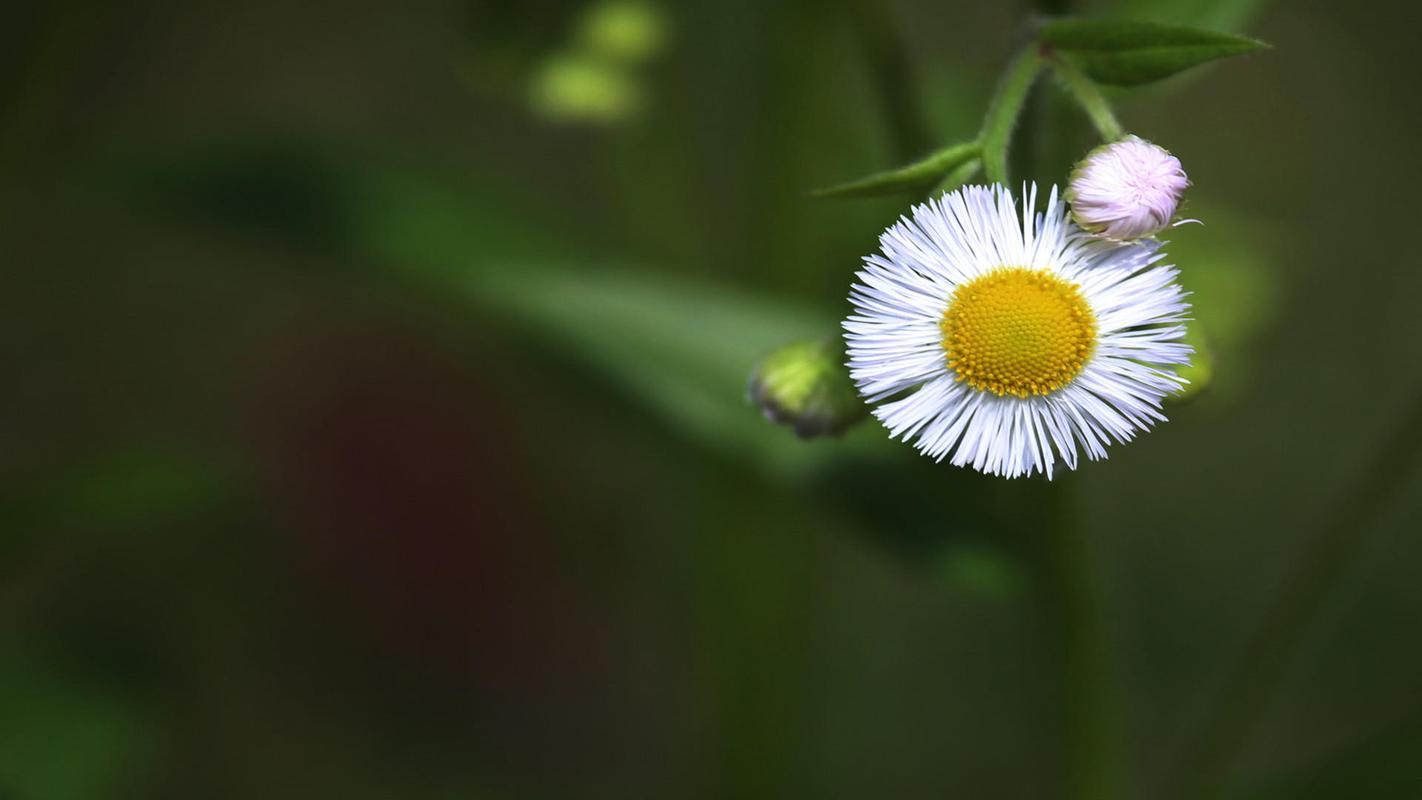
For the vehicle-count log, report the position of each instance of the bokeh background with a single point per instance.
(374, 420)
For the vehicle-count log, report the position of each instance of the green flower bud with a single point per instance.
(805, 385)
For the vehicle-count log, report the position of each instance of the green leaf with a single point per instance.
(1131, 53)
(1219, 15)
(914, 177)
(633, 328)
(1006, 107)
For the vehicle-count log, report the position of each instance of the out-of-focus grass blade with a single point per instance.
(683, 348)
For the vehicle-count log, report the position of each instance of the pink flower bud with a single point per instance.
(1126, 190)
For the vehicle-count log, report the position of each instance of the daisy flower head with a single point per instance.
(1128, 189)
(1005, 339)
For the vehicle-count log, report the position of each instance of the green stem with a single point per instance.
(1071, 604)
(1304, 595)
(1073, 608)
(1068, 586)
(1006, 106)
(1088, 95)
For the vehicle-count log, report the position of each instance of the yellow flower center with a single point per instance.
(1018, 332)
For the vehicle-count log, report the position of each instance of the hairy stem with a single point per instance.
(1088, 95)
(1002, 114)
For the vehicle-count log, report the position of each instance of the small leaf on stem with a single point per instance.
(1131, 53)
(913, 177)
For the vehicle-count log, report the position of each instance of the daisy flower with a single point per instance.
(1005, 339)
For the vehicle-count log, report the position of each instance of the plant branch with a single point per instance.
(1002, 114)
(1069, 599)
(1088, 95)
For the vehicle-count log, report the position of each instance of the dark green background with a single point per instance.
(368, 433)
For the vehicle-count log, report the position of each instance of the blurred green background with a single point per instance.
(376, 419)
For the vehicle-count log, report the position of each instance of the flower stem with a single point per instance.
(1305, 593)
(1088, 95)
(1068, 585)
(1073, 614)
(1006, 106)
